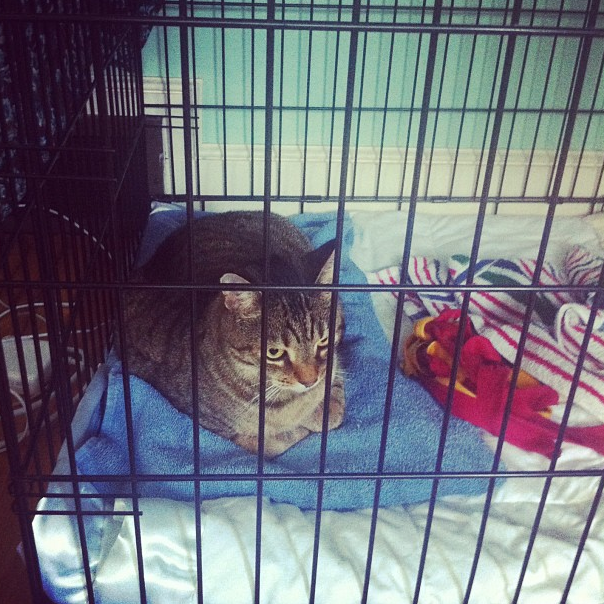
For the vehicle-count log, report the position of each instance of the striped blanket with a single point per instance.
(557, 326)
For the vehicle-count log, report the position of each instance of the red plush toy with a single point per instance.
(482, 387)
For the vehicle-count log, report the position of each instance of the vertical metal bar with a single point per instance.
(438, 102)
(542, 105)
(584, 536)
(515, 110)
(333, 104)
(360, 106)
(348, 111)
(587, 129)
(486, 128)
(223, 56)
(168, 106)
(118, 244)
(386, 102)
(464, 106)
(58, 363)
(252, 97)
(280, 114)
(268, 143)
(195, 122)
(412, 110)
(9, 428)
(306, 110)
(188, 157)
(584, 52)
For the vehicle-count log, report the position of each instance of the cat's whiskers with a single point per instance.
(251, 405)
(270, 394)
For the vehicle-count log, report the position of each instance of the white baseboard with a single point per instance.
(385, 174)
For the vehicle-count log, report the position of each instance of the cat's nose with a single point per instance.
(307, 375)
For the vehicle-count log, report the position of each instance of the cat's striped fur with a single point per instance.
(228, 248)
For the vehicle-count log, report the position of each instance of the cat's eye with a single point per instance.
(274, 354)
(324, 341)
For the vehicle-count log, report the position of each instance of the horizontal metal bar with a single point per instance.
(279, 477)
(305, 25)
(381, 199)
(365, 109)
(353, 287)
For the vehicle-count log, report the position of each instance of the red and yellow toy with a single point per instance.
(482, 386)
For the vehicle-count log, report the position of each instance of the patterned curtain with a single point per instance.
(45, 75)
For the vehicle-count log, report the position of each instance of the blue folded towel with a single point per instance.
(164, 437)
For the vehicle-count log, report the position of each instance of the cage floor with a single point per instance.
(13, 572)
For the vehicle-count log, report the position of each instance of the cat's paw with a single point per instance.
(336, 410)
(274, 444)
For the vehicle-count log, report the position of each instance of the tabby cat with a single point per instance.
(228, 248)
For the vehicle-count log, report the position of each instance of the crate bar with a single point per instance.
(195, 103)
(411, 114)
(523, 336)
(168, 105)
(58, 364)
(386, 100)
(306, 109)
(359, 109)
(504, 83)
(224, 100)
(268, 142)
(561, 154)
(417, 169)
(490, 160)
(272, 24)
(516, 109)
(7, 420)
(188, 167)
(597, 303)
(438, 102)
(541, 110)
(280, 109)
(465, 103)
(583, 59)
(133, 477)
(112, 286)
(306, 476)
(583, 540)
(592, 111)
(252, 98)
(343, 186)
(406, 253)
(516, 369)
(333, 104)
(120, 275)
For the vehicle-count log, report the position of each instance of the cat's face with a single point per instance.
(298, 335)
(298, 340)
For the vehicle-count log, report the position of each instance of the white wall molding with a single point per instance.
(372, 172)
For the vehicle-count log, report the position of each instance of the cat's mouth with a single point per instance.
(300, 387)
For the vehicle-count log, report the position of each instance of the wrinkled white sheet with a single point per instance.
(229, 525)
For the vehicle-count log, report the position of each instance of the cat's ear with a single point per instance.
(325, 276)
(244, 303)
(321, 263)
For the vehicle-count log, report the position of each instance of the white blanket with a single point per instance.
(229, 526)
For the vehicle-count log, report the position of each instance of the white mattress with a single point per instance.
(229, 525)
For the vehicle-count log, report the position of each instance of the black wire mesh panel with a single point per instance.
(74, 202)
(286, 105)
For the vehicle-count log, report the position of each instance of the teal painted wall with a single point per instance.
(311, 71)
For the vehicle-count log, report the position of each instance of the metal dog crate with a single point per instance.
(283, 106)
